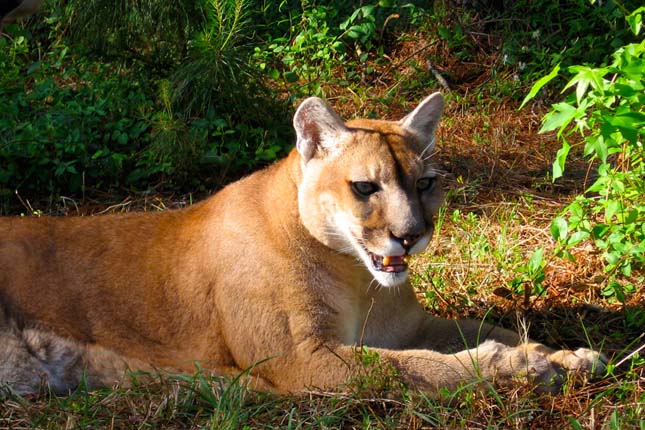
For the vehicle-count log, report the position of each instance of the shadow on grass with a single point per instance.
(615, 333)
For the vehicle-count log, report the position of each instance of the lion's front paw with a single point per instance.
(582, 360)
(507, 364)
(533, 362)
(534, 367)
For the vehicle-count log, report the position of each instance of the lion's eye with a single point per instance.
(364, 189)
(426, 184)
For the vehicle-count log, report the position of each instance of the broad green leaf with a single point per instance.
(367, 10)
(536, 261)
(612, 257)
(613, 206)
(560, 160)
(628, 123)
(559, 228)
(638, 251)
(600, 184)
(122, 138)
(600, 230)
(626, 269)
(632, 216)
(537, 86)
(291, 77)
(626, 91)
(586, 76)
(635, 20)
(274, 74)
(355, 32)
(577, 237)
(575, 208)
(596, 145)
(618, 186)
(621, 247)
(34, 67)
(616, 237)
(559, 117)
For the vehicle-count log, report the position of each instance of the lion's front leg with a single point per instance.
(582, 361)
(478, 334)
(469, 349)
(510, 354)
(496, 362)
(333, 368)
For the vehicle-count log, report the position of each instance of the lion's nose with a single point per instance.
(408, 241)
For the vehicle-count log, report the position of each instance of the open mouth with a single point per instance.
(389, 263)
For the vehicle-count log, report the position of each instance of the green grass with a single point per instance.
(209, 402)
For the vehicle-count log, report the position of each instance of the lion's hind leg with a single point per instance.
(20, 371)
(33, 359)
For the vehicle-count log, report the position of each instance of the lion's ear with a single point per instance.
(423, 120)
(318, 128)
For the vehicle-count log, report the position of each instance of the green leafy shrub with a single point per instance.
(329, 43)
(235, 122)
(529, 281)
(216, 69)
(529, 37)
(76, 122)
(156, 31)
(565, 32)
(164, 96)
(66, 129)
(607, 111)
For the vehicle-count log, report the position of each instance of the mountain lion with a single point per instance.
(284, 272)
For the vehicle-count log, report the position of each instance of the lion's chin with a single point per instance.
(390, 279)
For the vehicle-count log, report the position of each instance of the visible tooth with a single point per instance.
(386, 260)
